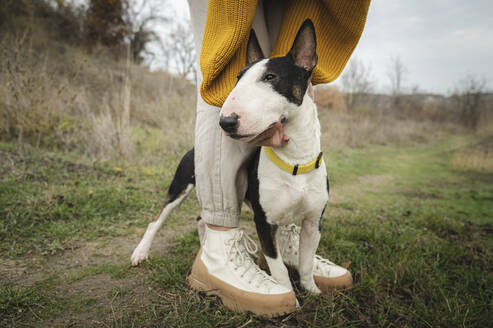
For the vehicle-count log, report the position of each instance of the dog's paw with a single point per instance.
(311, 287)
(138, 256)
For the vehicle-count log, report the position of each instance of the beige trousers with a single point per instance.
(220, 162)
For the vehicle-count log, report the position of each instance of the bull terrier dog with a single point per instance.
(286, 184)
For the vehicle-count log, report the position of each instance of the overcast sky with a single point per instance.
(439, 41)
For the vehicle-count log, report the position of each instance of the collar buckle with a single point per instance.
(295, 169)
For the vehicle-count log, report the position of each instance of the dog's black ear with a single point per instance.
(304, 47)
(254, 52)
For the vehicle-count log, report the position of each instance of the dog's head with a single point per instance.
(269, 91)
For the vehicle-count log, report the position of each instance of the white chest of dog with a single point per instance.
(290, 198)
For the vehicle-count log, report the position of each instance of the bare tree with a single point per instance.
(179, 51)
(396, 72)
(117, 23)
(356, 82)
(469, 95)
(106, 23)
(141, 18)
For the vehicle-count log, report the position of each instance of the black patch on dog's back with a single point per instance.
(184, 176)
(289, 80)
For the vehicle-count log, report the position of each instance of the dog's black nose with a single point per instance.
(229, 123)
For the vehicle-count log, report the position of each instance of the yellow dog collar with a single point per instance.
(293, 169)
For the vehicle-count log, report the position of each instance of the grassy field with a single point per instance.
(414, 224)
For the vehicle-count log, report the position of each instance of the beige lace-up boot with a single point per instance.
(224, 267)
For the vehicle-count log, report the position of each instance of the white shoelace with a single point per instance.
(241, 246)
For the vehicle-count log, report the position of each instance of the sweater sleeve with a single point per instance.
(338, 25)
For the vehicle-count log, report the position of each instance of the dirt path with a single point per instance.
(95, 276)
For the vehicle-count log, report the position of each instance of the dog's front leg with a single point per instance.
(267, 236)
(309, 239)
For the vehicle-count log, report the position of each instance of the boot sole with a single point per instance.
(229, 303)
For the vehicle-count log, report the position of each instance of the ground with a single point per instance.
(414, 227)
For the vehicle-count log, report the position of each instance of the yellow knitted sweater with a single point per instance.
(338, 25)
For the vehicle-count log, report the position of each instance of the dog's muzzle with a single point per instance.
(229, 123)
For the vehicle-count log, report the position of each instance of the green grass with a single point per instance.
(417, 231)
(16, 302)
(39, 303)
(50, 202)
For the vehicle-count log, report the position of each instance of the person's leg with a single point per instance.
(223, 265)
(219, 160)
(274, 11)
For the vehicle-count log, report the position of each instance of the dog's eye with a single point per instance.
(269, 77)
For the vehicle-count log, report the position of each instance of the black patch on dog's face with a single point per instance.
(289, 75)
(286, 78)
(245, 69)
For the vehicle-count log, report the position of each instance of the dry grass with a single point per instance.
(475, 160)
(477, 157)
(55, 96)
(356, 130)
(329, 97)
